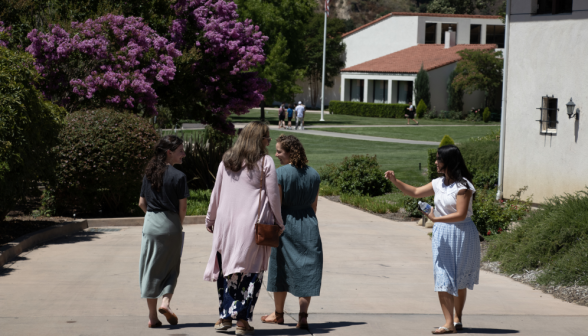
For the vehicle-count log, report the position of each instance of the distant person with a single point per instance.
(281, 117)
(410, 114)
(236, 262)
(164, 196)
(296, 265)
(300, 112)
(290, 114)
(456, 243)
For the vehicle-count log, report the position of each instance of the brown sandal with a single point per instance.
(223, 324)
(246, 330)
(155, 325)
(302, 325)
(169, 316)
(278, 320)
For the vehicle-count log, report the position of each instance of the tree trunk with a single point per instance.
(262, 106)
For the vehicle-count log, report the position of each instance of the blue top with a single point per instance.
(290, 112)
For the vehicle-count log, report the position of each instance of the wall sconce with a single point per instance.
(571, 105)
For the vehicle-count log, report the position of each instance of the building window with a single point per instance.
(554, 6)
(356, 90)
(380, 94)
(495, 35)
(475, 34)
(445, 27)
(430, 33)
(548, 115)
(404, 92)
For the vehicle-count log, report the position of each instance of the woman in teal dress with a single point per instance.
(296, 266)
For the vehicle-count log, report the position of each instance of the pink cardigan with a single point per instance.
(233, 213)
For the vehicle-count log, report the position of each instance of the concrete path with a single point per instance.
(377, 280)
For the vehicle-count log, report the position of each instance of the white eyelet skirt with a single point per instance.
(456, 256)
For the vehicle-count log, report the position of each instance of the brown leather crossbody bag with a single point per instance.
(265, 234)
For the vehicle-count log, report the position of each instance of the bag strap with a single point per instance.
(261, 174)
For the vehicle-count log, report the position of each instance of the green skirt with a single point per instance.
(161, 251)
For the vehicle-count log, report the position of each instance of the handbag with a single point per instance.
(265, 234)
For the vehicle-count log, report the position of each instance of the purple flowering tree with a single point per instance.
(4, 35)
(215, 75)
(112, 60)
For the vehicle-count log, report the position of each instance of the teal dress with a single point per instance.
(296, 266)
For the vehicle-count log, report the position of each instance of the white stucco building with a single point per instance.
(397, 32)
(544, 149)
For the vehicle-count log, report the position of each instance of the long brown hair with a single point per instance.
(248, 148)
(157, 166)
(294, 147)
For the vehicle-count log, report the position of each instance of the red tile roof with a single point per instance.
(421, 14)
(431, 56)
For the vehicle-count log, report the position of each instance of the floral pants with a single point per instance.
(237, 293)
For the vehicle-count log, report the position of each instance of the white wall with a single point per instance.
(382, 38)
(546, 57)
(438, 86)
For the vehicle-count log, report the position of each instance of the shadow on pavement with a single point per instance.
(78, 237)
(327, 327)
(5, 270)
(189, 325)
(488, 331)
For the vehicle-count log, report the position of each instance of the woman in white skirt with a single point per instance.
(456, 243)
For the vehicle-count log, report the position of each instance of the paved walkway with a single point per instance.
(377, 280)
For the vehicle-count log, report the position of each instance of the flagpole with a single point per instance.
(324, 61)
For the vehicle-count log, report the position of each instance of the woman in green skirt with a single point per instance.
(164, 196)
(296, 266)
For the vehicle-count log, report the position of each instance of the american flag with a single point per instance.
(327, 6)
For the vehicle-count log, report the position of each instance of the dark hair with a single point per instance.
(157, 166)
(290, 106)
(294, 147)
(453, 164)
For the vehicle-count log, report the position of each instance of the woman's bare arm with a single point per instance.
(416, 192)
(462, 204)
(143, 204)
(315, 204)
(183, 208)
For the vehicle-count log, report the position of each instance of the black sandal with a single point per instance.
(302, 325)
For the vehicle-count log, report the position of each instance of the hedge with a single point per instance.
(368, 109)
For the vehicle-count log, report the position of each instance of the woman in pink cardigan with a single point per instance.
(236, 261)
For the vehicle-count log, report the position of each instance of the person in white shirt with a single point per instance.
(300, 112)
(410, 115)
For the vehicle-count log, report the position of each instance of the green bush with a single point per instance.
(481, 158)
(357, 175)
(554, 238)
(446, 141)
(451, 115)
(422, 88)
(474, 115)
(432, 167)
(29, 128)
(421, 109)
(369, 203)
(411, 205)
(328, 190)
(492, 216)
(198, 202)
(368, 109)
(102, 158)
(204, 153)
(486, 115)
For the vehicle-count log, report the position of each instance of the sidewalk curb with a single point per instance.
(10, 251)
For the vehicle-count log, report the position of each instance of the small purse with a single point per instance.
(265, 234)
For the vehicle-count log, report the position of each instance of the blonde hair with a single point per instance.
(294, 147)
(248, 148)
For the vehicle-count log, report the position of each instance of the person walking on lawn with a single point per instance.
(236, 262)
(282, 117)
(300, 112)
(164, 197)
(456, 244)
(296, 265)
(290, 114)
(410, 114)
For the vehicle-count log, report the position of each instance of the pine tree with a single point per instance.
(454, 95)
(421, 87)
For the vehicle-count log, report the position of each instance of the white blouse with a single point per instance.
(446, 197)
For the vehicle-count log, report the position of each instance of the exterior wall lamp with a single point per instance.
(571, 105)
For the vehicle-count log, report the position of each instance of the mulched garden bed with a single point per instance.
(17, 224)
(572, 294)
(397, 216)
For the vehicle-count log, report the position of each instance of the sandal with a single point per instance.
(302, 325)
(443, 330)
(223, 324)
(279, 319)
(155, 325)
(169, 316)
(246, 330)
(458, 325)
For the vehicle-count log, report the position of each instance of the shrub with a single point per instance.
(481, 158)
(411, 205)
(357, 175)
(454, 95)
(492, 216)
(204, 153)
(368, 109)
(474, 115)
(29, 128)
(328, 190)
(421, 87)
(553, 238)
(432, 167)
(369, 204)
(451, 115)
(198, 202)
(431, 114)
(421, 109)
(446, 141)
(102, 157)
(486, 115)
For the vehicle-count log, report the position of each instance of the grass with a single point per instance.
(313, 119)
(458, 134)
(198, 202)
(369, 203)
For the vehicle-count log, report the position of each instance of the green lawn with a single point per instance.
(458, 134)
(312, 119)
